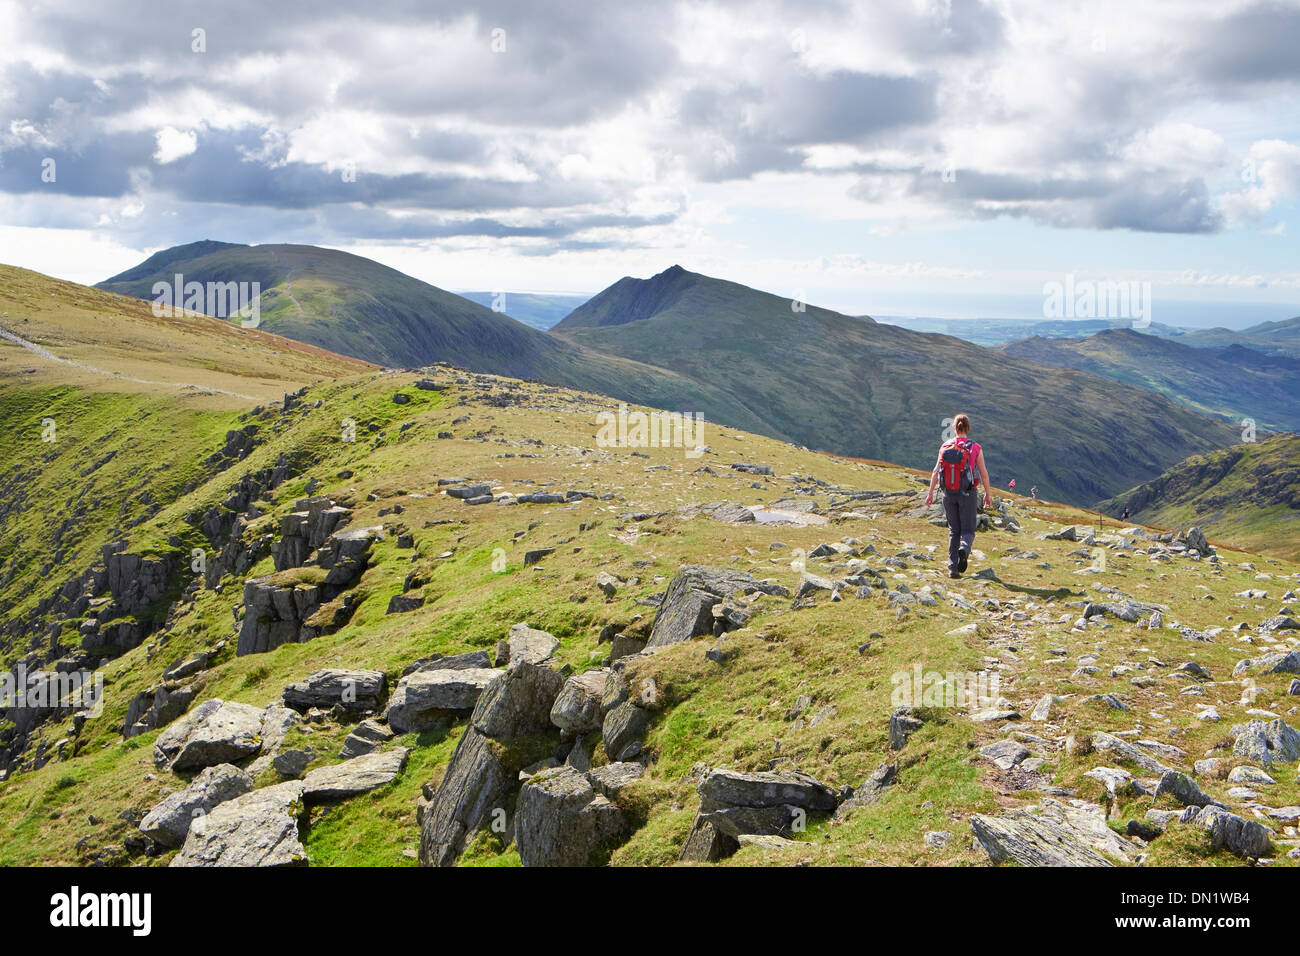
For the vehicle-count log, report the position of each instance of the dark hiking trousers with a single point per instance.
(960, 508)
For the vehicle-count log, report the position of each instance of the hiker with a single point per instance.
(1033, 492)
(1124, 516)
(960, 468)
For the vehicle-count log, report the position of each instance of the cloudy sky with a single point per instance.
(934, 156)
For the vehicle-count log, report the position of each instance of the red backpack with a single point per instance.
(956, 470)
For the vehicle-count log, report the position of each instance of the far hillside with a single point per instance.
(1234, 382)
(1247, 495)
(856, 387)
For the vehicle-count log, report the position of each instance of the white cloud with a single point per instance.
(174, 144)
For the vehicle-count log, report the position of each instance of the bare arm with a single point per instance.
(984, 477)
(934, 479)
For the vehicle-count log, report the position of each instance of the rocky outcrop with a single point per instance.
(169, 822)
(687, 607)
(358, 691)
(259, 828)
(432, 698)
(1227, 831)
(562, 820)
(290, 610)
(358, 775)
(1051, 834)
(156, 707)
(307, 528)
(1266, 743)
(212, 733)
(483, 772)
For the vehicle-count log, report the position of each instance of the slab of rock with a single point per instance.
(562, 820)
(518, 701)
(1126, 752)
(259, 828)
(1051, 834)
(347, 779)
(728, 788)
(1228, 831)
(476, 785)
(687, 608)
(292, 763)
(214, 732)
(1005, 754)
(577, 708)
(367, 737)
(613, 778)
(425, 699)
(481, 777)
(169, 822)
(470, 660)
(1183, 789)
(1265, 743)
(871, 790)
(527, 645)
(355, 690)
(707, 844)
(624, 729)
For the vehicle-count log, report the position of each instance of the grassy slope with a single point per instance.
(1233, 383)
(151, 399)
(1248, 494)
(869, 390)
(734, 716)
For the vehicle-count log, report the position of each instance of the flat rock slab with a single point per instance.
(347, 779)
(1051, 834)
(257, 829)
(727, 788)
(212, 733)
(358, 690)
(423, 699)
(169, 822)
(529, 645)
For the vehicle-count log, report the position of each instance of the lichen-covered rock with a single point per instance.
(1051, 834)
(687, 607)
(562, 821)
(347, 779)
(425, 699)
(169, 822)
(259, 828)
(354, 690)
(577, 708)
(215, 732)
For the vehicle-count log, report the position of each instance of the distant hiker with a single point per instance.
(1013, 483)
(1033, 492)
(960, 468)
(1124, 516)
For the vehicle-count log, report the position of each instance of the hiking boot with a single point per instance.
(954, 574)
(961, 560)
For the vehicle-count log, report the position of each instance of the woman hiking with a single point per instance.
(960, 468)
